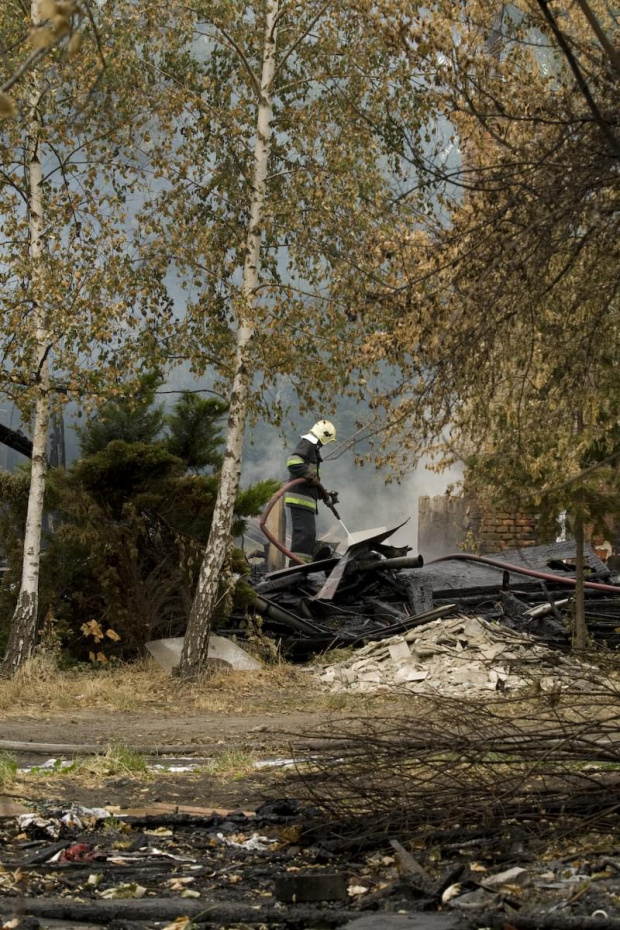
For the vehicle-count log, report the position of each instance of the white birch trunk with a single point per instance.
(195, 648)
(22, 637)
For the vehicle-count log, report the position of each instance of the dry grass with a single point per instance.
(142, 687)
(40, 686)
(117, 760)
(8, 770)
(280, 689)
(231, 764)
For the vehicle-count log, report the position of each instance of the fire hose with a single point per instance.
(510, 567)
(330, 499)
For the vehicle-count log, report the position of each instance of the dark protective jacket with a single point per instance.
(304, 462)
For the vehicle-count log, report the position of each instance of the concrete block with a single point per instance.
(399, 650)
(409, 674)
(470, 675)
(167, 652)
(490, 652)
(425, 652)
(473, 900)
(495, 678)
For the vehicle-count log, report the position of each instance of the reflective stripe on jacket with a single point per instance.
(296, 500)
(304, 462)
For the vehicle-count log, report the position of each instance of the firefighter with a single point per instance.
(302, 500)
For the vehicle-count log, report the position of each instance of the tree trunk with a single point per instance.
(195, 648)
(22, 637)
(580, 634)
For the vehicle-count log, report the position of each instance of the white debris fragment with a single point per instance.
(399, 650)
(255, 843)
(355, 891)
(124, 890)
(79, 817)
(276, 763)
(49, 827)
(516, 876)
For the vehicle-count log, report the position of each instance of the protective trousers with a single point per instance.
(303, 530)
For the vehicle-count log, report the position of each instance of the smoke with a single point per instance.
(366, 501)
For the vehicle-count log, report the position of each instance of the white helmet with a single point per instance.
(324, 431)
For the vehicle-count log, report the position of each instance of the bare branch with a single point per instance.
(612, 52)
(581, 82)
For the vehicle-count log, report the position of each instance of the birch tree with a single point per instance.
(77, 295)
(195, 645)
(284, 187)
(23, 627)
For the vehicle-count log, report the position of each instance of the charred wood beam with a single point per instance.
(298, 571)
(406, 561)
(271, 610)
(214, 912)
(499, 921)
(407, 623)
(382, 608)
(16, 440)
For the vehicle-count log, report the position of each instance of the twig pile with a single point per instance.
(488, 775)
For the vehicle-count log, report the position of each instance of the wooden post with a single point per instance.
(276, 523)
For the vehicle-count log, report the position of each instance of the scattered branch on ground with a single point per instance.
(526, 770)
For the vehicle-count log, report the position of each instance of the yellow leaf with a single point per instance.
(47, 9)
(180, 923)
(113, 635)
(42, 37)
(75, 44)
(7, 106)
(92, 628)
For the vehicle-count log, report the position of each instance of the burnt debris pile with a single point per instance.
(373, 591)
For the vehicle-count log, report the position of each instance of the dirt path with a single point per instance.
(260, 737)
(256, 731)
(239, 719)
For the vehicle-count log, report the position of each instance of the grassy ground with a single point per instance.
(39, 688)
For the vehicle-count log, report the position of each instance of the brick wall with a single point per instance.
(446, 524)
(501, 529)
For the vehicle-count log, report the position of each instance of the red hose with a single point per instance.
(272, 539)
(508, 566)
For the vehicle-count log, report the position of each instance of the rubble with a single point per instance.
(469, 860)
(374, 591)
(453, 656)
